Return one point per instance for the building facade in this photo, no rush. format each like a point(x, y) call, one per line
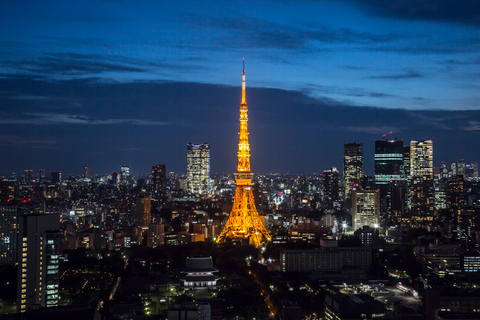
point(388, 163)
point(352, 166)
point(159, 181)
point(422, 189)
point(198, 168)
point(365, 208)
point(38, 255)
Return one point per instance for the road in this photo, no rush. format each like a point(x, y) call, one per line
point(265, 294)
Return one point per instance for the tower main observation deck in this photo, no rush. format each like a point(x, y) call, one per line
point(244, 221)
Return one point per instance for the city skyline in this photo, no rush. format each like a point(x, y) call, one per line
point(109, 83)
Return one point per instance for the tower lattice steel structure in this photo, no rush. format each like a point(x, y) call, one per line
point(244, 221)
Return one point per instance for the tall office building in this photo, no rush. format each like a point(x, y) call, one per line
point(352, 166)
point(458, 168)
point(365, 208)
point(421, 170)
point(331, 187)
point(198, 168)
point(144, 209)
point(124, 174)
point(10, 213)
point(159, 179)
point(388, 163)
point(38, 255)
point(471, 170)
point(398, 200)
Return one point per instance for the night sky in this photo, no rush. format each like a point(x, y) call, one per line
point(107, 83)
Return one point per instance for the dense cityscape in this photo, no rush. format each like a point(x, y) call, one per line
point(136, 183)
point(400, 244)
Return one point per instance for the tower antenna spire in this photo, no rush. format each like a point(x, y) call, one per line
point(243, 83)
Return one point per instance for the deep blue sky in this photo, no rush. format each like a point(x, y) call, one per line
point(132, 82)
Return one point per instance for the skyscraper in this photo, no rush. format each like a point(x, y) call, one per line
point(124, 175)
point(388, 163)
point(38, 247)
point(159, 179)
point(244, 221)
point(421, 170)
point(398, 200)
point(458, 168)
point(198, 168)
point(352, 166)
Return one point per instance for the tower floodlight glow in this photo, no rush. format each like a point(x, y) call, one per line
point(244, 221)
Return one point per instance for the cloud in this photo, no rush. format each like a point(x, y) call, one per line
point(473, 126)
point(251, 32)
point(399, 76)
point(75, 65)
point(314, 89)
point(52, 119)
point(377, 130)
point(460, 11)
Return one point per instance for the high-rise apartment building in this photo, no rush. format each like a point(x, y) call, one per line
point(365, 208)
point(388, 163)
point(159, 179)
point(198, 168)
point(352, 166)
point(455, 195)
point(331, 187)
point(10, 213)
point(143, 210)
point(421, 169)
point(38, 259)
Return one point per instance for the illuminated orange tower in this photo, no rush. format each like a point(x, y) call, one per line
point(244, 221)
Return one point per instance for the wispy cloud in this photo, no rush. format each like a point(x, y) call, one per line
point(52, 118)
point(399, 76)
point(373, 129)
point(473, 126)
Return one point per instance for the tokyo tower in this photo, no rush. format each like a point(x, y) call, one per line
point(244, 221)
